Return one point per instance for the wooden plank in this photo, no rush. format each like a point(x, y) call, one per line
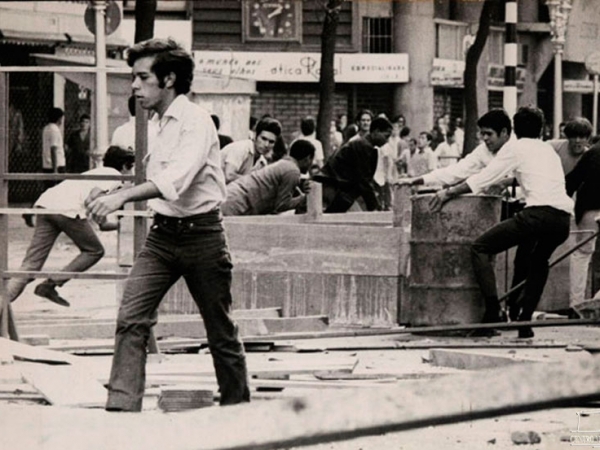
point(474, 360)
point(180, 326)
point(71, 386)
point(309, 420)
point(25, 352)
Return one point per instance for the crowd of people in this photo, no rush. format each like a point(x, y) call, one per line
point(194, 176)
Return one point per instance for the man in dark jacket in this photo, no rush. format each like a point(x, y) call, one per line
point(348, 173)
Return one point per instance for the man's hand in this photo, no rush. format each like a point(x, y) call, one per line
point(102, 206)
point(305, 185)
point(437, 201)
point(93, 195)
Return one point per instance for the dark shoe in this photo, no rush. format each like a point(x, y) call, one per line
point(526, 333)
point(484, 332)
point(48, 291)
point(28, 218)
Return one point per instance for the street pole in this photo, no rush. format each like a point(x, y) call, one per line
point(101, 83)
point(559, 18)
point(510, 59)
point(595, 103)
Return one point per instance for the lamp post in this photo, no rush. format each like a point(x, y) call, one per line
point(559, 18)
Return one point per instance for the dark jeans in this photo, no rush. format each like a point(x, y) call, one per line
point(537, 231)
point(47, 230)
point(195, 248)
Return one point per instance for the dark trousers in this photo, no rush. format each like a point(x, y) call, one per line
point(195, 248)
point(47, 229)
point(536, 231)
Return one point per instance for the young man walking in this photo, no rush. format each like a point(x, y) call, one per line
point(185, 187)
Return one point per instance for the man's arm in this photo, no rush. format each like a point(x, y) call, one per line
point(102, 206)
point(285, 199)
point(441, 197)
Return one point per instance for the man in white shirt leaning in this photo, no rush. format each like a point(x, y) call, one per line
point(544, 221)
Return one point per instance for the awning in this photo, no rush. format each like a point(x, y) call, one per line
point(51, 38)
point(29, 38)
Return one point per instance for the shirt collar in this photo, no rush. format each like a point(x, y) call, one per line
point(175, 109)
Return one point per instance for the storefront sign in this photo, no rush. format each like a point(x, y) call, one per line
point(578, 86)
point(304, 67)
point(448, 73)
point(496, 77)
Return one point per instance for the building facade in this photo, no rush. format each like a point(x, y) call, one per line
point(432, 35)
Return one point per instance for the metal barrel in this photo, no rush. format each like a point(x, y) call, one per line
point(442, 286)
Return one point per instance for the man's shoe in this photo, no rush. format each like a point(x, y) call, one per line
point(48, 291)
point(484, 332)
point(526, 333)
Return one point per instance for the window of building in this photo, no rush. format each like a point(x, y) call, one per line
point(452, 39)
point(495, 45)
point(377, 35)
point(168, 8)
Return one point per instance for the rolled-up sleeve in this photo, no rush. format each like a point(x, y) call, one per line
point(173, 174)
point(502, 165)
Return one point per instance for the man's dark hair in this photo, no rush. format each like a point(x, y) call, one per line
point(427, 134)
point(380, 124)
point(308, 125)
point(169, 57)
point(301, 148)
point(55, 114)
point(216, 121)
point(450, 132)
point(497, 119)
point(362, 112)
point(397, 118)
point(118, 157)
point(579, 127)
point(529, 122)
point(268, 124)
point(405, 131)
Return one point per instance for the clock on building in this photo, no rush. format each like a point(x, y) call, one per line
point(273, 19)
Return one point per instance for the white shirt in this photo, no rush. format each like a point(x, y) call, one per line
point(184, 161)
point(124, 135)
point(238, 158)
point(537, 168)
point(70, 195)
point(471, 164)
point(52, 137)
point(447, 154)
point(386, 167)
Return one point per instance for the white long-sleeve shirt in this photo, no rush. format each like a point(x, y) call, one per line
point(537, 168)
point(471, 164)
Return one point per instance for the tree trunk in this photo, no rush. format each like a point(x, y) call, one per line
point(326, 77)
point(145, 11)
point(488, 10)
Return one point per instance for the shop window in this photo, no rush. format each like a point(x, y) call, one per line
point(495, 45)
point(452, 40)
point(377, 35)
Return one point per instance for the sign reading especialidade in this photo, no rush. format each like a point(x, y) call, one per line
point(304, 67)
